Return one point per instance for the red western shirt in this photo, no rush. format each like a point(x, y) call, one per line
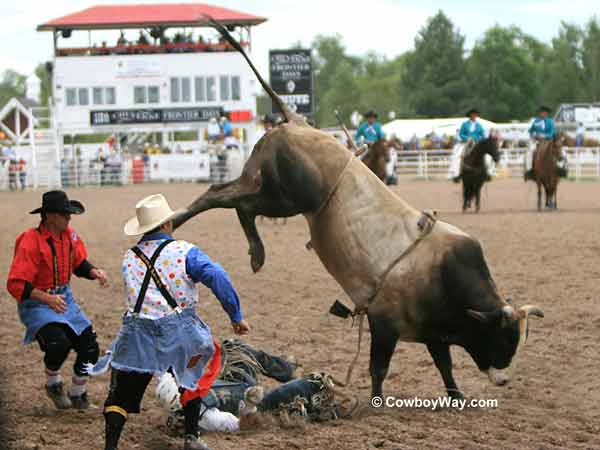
point(33, 261)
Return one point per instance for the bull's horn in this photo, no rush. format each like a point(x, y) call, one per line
point(533, 310)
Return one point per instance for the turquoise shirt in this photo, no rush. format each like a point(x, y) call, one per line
point(371, 133)
point(471, 130)
point(542, 127)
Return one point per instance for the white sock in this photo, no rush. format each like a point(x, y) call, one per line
point(78, 386)
point(52, 377)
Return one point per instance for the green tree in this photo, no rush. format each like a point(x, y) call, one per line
point(562, 69)
point(46, 88)
point(435, 70)
point(591, 60)
point(502, 75)
point(12, 85)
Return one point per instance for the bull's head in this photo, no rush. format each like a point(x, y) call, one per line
point(504, 333)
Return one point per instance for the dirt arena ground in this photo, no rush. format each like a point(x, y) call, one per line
point(550, 259)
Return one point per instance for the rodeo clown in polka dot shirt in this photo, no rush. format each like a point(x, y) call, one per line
point(161, 331)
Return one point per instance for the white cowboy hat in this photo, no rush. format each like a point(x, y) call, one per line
point(150, 212)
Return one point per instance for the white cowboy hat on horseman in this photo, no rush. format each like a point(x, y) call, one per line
point(150, 212)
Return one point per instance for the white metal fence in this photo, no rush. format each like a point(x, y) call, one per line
point(213, 164)
point(434, 164)
point(223, 166)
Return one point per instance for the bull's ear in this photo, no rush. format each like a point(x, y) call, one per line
point(487, 318)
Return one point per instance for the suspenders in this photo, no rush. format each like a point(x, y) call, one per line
point(55, 260)
point(151, 273)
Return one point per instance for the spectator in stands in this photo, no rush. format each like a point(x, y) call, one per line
point(113, 164)
point(229, 139)
point(213, 130)
point(580, 135)
point(121, 41)
point(13, 171)
point(142, 40)
point(23, 173)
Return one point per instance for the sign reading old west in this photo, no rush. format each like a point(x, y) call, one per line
point(291, 78)
point(171, 115)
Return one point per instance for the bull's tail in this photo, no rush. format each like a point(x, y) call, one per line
point(289, 115)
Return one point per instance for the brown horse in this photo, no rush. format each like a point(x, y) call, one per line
point(545, 171)
point(378, 155)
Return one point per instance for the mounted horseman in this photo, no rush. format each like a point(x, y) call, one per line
point(416, 279)
point(542, 131)
point(374, 151)
point(548, 162)
point(471, 132)
point(474, 155)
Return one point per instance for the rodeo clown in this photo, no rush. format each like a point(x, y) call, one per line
point(44, 260)
point(161, 330)
point(470, 133)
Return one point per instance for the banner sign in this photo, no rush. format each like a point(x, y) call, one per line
point(180, 167)
point(171, 115)
point(291, 78)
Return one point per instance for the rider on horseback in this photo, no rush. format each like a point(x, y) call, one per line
point(542, 129)
point(369, 132)
point(471, 132)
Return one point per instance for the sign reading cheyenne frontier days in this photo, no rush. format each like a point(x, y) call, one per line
point(291, 78)
point(129, 116)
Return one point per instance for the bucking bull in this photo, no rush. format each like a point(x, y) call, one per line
point(417, 279)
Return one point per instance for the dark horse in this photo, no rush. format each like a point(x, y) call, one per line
point(378, 155)
point(474, 173)
point(545, 170)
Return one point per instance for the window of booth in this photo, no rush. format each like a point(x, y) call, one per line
point(181, 89)
point(224, 86)
point(200, 89)
point(139, 94)
point(84, 96)
point(98, 96)
point(110, 96)
point(211, 89)
point(71, 96)
point(236, 88)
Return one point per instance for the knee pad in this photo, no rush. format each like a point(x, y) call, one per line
point(88, 351)
point(57, 349)
point(88, 347)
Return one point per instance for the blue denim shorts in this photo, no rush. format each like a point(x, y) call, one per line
point(154, 346)
point(35, 315)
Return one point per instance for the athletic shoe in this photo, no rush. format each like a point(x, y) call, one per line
point(56, 393)
point(80, 401)
point(194, 443)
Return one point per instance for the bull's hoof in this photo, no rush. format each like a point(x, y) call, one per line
point(257, 258)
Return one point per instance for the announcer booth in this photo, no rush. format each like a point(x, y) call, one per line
point(135, 71)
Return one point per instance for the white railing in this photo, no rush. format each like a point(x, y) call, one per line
point(584, 162)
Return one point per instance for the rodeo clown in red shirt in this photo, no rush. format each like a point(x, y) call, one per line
point(44, 259)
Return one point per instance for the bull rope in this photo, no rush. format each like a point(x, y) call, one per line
point(425, 224)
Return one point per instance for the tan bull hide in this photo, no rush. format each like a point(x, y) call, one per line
point(362, 231)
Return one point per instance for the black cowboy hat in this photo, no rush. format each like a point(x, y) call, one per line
point(370, 113)
point(544, 109)
point(58, 202)
point(472, 111)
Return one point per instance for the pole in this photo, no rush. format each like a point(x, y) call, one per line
point(346, 132)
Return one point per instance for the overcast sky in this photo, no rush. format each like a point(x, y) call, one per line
point(386, 26)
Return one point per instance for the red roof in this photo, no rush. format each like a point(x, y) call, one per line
point(134, 16)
